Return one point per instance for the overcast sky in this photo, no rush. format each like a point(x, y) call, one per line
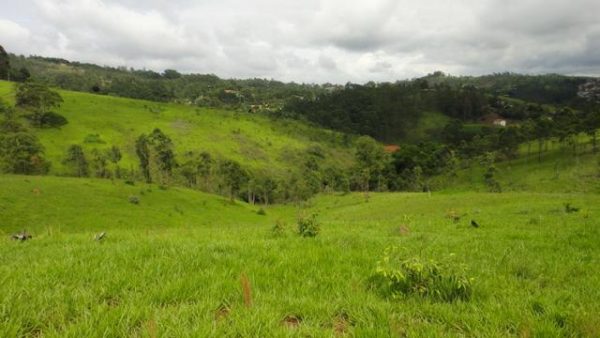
point(312, 40)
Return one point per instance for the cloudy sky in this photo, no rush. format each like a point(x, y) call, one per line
point(312, 40)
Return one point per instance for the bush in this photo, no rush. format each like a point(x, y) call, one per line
point(279, 229)
point(47, 120)
point(261, 212)
point(308, 226)
point(414, 276)
point(134, 199)
point(93, 138)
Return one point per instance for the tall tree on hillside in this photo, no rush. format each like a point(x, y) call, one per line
point(566, 123)
point(21, 153)
point(163, 155)
point(114, 155)
point(99, 163)
point(4, 65)
point(233, 177)
point(76, 160)
point(142, 149)
point(370, 160)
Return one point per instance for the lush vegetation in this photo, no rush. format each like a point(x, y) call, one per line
point(173, 264)
point(258, 208)
point(80, 134)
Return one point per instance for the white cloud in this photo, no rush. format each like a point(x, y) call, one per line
point(313, 41)
point(13, 36)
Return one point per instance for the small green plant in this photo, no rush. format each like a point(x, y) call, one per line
point(398, 278)
point(490, 173)
point(93, 138)
point(134, 199)
point(308, 226)
point(279, 229)
point(570, 209)
point(261, 212)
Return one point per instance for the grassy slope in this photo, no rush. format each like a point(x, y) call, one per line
point(255, 141)
point(170, 262)
point(559, 170)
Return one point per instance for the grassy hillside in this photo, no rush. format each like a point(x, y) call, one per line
point(558, 170)
point(253, 140)
point(172, 265)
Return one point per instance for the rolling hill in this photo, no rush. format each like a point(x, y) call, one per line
point(257, 142)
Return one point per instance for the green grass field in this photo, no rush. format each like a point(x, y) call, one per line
point(560, 170)
point(171, 265)
point(254, 140)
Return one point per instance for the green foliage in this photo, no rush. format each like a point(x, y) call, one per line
point(233, 177)
point(133, 199)
point(279, 229)
point(76, 161)
point(142, 149)
point(162, 153)
point(397, 278)
point(308, 226)
point(490, 172)
point(4, 64)
point(39, 99)
point(94, 138)
point(370, 163)
point(22, 153)
point(99, 164)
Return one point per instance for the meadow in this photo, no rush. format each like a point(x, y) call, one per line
point(256, 141)
point(185, 263)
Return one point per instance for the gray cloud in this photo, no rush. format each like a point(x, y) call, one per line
point(313, 41)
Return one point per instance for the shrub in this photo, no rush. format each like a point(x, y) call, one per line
point(279, 229)
point(134, 199)
point(261, 212)
point(93, 138)
point(398, 278)
point(308, 226)
point(48, 119)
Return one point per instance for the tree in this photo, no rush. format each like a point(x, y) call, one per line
point(21, 153)
point(490, 172)
point(20, 75)
point(509, 139)
point(162, 154)
point(99, 164)
point(591, 124)
point(171, 74)
point(142, 149)
point(370, 161)
point(38, 99)
point(76, 160)
point(205, 164)
point(4, 64)
point(114, 156)
point(267, 188)
point(233, 177)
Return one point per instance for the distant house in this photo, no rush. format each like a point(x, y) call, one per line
point(391, 148)
point(493, 119)
point(500, 122)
